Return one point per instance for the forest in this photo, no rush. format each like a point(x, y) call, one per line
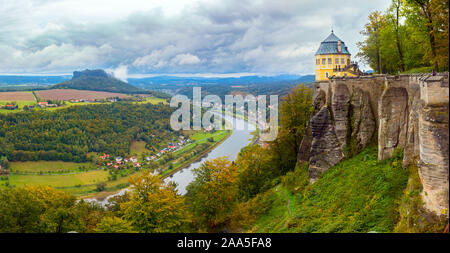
point(69, 134)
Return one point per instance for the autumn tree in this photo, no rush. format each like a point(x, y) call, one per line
point(213, 193)
point(255, 173)
point(370, 47)
point(430, 19)
point(112, 224)
point(155, 207)
point(410, 35)
point(37, 209)
point(295, 112)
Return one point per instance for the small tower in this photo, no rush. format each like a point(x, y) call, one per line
point(334, 59)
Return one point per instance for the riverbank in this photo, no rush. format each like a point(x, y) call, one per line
point(119, 187)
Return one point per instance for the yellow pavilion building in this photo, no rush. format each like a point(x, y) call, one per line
point(334, 59)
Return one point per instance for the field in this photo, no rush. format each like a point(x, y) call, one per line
point(16, 96)
point(137, 147)
point(153, 100)
point(60, 181)
point(67, 94)
point(46, 166)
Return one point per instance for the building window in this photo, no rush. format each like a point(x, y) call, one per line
point(342, 61)
point(323, 61)
point(326, 74)
point(329, 61)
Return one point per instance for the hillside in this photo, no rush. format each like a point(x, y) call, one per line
point(262, 85)
point(360, 194)
point(97, 80)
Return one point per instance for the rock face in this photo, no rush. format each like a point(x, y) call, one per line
point(406, 111)
point(362, 119)
point(393, 121)
point(433, 163)
point(326, 150)
point(340, 101)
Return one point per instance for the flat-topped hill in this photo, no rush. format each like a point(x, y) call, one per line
point(97, 80)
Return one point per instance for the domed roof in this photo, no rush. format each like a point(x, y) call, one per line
point(330, 46)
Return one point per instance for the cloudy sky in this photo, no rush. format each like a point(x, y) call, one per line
point(203, 37)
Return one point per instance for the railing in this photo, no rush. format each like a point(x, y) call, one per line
point(352, 68)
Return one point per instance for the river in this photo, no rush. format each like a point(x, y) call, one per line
point(239, 138)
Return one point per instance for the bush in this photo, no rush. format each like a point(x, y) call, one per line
point(101, 186)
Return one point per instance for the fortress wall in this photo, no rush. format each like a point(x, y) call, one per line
point(407, 111)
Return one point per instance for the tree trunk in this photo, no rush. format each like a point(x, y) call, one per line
point(399, 48)
point(426, 9)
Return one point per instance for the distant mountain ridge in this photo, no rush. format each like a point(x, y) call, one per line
point(172, 81)
point(97, 80)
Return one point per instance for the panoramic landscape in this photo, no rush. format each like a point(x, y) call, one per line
point(224, 117)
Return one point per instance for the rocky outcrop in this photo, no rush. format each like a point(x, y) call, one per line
point(406, 111)
point(433, 163)
point(340, 102)
point(393, 109)
point(326, 149)
point(362, 120)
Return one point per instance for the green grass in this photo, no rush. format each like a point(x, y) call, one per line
point(419, 70)
point(21, 104)
point(46, 166)
point(137, 148)
point(60, 181)
point(153, 100)
point(360, 194)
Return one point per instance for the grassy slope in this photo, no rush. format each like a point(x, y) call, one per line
point(357, 195)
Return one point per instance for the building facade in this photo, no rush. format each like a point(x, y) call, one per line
point(334, 59)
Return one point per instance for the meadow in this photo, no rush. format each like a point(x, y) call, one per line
point(47, 167)
point(61, 181)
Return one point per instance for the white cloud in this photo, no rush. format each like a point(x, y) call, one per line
point(121, 72)
point(174, 36)
point(185, 59)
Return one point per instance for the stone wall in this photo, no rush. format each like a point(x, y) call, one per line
point(406, 111)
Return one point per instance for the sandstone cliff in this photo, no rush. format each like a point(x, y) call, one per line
point(406, 111)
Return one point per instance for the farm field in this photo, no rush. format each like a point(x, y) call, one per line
point(21, 98)
point(67, 94)
point(137, 147)
point(60, 181)
point(46, 166)
point(153, 100)
point(17, 96)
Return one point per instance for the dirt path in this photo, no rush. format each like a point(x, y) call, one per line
point(288, 201)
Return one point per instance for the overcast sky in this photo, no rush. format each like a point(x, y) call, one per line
point(174, 36)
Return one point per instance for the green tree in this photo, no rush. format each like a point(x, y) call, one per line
point(213, 193)
point(155, 207)
point(255, 172)
point(370, 47)
point(112, 224)
point(295, 112)
point(37, 209)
